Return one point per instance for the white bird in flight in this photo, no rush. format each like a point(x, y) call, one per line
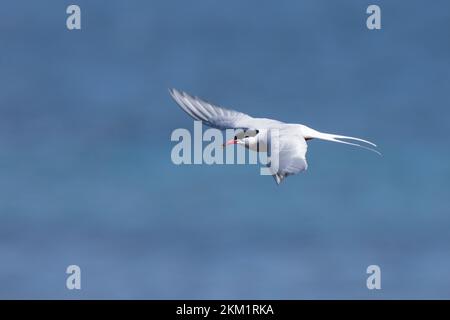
point(291, 147)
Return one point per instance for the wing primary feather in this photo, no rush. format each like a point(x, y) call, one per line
point(210, 114)
point(176, 96)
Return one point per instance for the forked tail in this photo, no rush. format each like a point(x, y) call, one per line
point(309, 133)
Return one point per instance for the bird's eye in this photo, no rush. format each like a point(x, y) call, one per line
point(235, 137)
point(257, 131)
point(246, 137)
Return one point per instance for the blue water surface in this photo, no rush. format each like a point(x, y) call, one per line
point(86, 176)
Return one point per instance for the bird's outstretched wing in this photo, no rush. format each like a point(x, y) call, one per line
point(210, 114)
point(287, 154)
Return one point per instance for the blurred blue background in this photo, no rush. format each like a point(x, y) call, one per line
point(86, 176)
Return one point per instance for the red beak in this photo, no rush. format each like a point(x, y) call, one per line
point(232, 141)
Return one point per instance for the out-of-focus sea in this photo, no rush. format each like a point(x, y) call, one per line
point(86, 176)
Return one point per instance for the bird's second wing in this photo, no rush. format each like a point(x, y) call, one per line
point(288, 156)
point(210, 114)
